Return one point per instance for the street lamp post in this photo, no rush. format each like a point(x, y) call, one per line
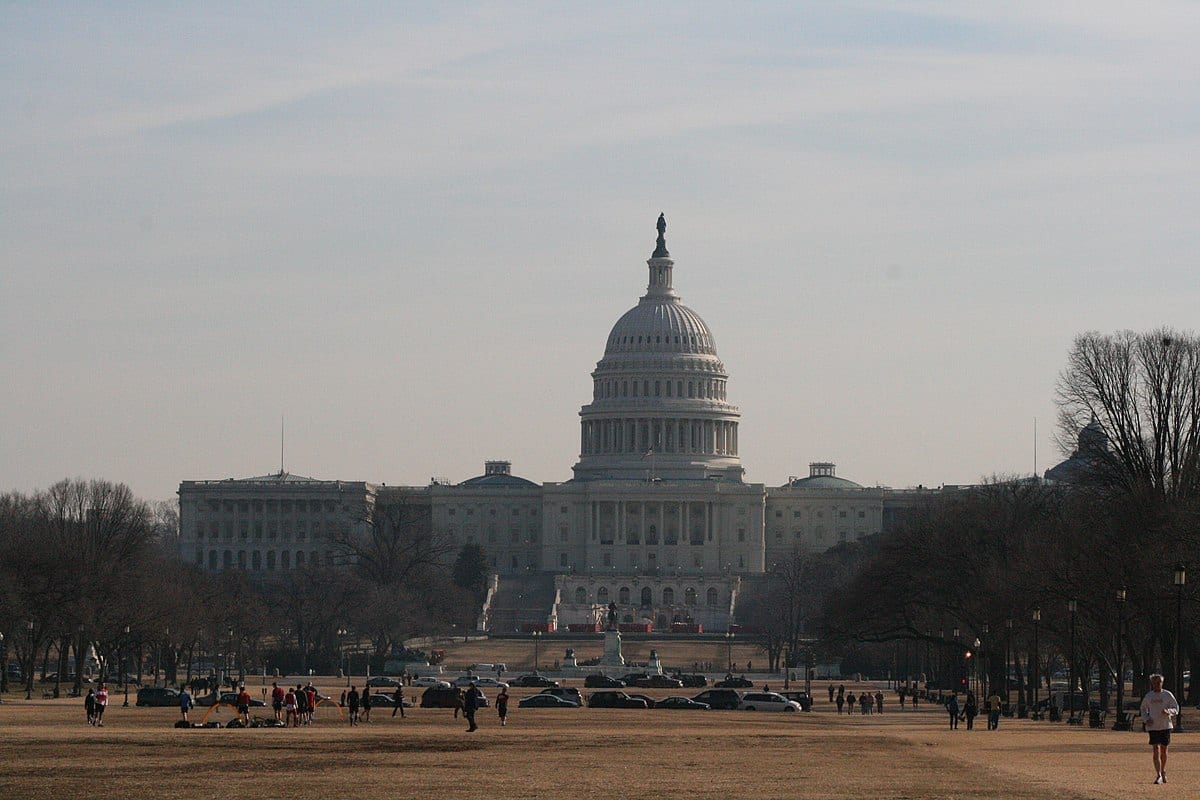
point(729, 652)
point(342, 655)
point(1033, 669)
point(1180, 580)
point(960, 666)
point(3, 667)
point(124, 666)
point(1072, 607)
point(787, 661)
point(1119, 723)
point(1008, 626)
point(29, 673)
point(537, 638)
point(977, 659)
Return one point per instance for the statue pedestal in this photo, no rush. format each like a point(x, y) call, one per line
point(612, 650)
point(655, 665)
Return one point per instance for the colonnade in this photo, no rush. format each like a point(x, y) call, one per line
point(640, 435)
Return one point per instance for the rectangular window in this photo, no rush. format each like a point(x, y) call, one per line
point(562, 509)
point(608, 559)
point(862, 514)
point(795, 515)
point(741, 534)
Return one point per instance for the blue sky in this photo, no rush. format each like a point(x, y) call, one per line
point(409, 228)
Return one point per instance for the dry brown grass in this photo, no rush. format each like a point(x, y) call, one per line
point(46, 751)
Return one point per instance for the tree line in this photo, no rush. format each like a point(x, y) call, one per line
point(85, 566)
point(1058, 575)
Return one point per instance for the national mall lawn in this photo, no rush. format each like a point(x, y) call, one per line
point(47, 750)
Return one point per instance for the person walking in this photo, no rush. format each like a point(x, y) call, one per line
point(864, 703)
point(970, 709)
point(831, 692)
point(841, 699)
point(994, 705)
point(185, 704)
point(502, 705)
point(878, 702)
point(366, 703)
point(952, 707)
point(398, 701)
point(310, 700)
point(102, 703)
point(851, 702)
point(1159, 709)
point(470, 706)
point(352, 703)
point(89, 705)
point(458, 701)
point(301, 705)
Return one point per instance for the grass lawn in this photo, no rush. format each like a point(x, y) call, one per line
point(48, 751)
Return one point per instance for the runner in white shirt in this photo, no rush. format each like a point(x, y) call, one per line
point(1159, 709)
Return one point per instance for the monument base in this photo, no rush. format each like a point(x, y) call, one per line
point(612, 650)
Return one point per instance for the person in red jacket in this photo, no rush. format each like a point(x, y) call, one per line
point(101, 704)
point(243, 704)
point(277, 695)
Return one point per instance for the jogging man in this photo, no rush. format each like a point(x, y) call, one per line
point(1159, 709)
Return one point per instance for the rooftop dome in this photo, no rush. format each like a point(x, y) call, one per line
point(497, 473)
point(821, 475)
point(660, 324)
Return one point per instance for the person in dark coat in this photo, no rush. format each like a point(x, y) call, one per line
point(470, 706)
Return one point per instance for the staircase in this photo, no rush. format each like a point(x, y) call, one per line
point(521, 600)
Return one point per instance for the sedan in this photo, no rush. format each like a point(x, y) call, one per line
point(383, 680)
point(568, 693)
point(767, 701)
point(430, 681)
point(647, 699)
point(602, 682)
point(533, 680)
point(228, 698)
point(546, 701)
point(681, 704)
point(658, 682)
point(467, 680)
point(614, 700)
point(734, 683)
point(157, 696)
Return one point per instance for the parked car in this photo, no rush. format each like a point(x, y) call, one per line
point(447, 697)
point(546, 701)
point(383, 680)
point(803, 698)
point(649, 700)
point(602, 682)
point(532, 680)
point(681, 704)
point(633, 677)
point(382, 700)
point(613, 699)
point(157, 696)
point(719, 698)
point(429, 680)
point(229, 698)
point(767, 701)
point(734, 683)
point(568, 693)
point(466, 680)
point(693, 681)
point(658, 682)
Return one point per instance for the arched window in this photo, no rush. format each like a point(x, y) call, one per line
point(285, 559)
point(256, 560)
point(212, 559)
point(668, 596)
point(580, 596)
point(647, 597)
point(228, 559)
point(689, 596)
point(602, 595)
point(623, 596)
point(270, 559)
point(652, 535)
point(711, 597)
point(299, 558)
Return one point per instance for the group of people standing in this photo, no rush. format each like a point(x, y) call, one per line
point(866, 702)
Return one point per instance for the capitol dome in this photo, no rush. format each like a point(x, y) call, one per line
point(658, 409)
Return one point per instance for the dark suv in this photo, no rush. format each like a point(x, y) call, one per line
point(566, 693)
point(720, 698)
point(614, 700)
point(536, 681)
point(443, 697)
point(693, 681)
point(658, 682)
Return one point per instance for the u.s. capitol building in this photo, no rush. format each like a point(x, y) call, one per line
point(657, 517)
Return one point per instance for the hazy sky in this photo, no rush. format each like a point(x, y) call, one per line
point(410, 227)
